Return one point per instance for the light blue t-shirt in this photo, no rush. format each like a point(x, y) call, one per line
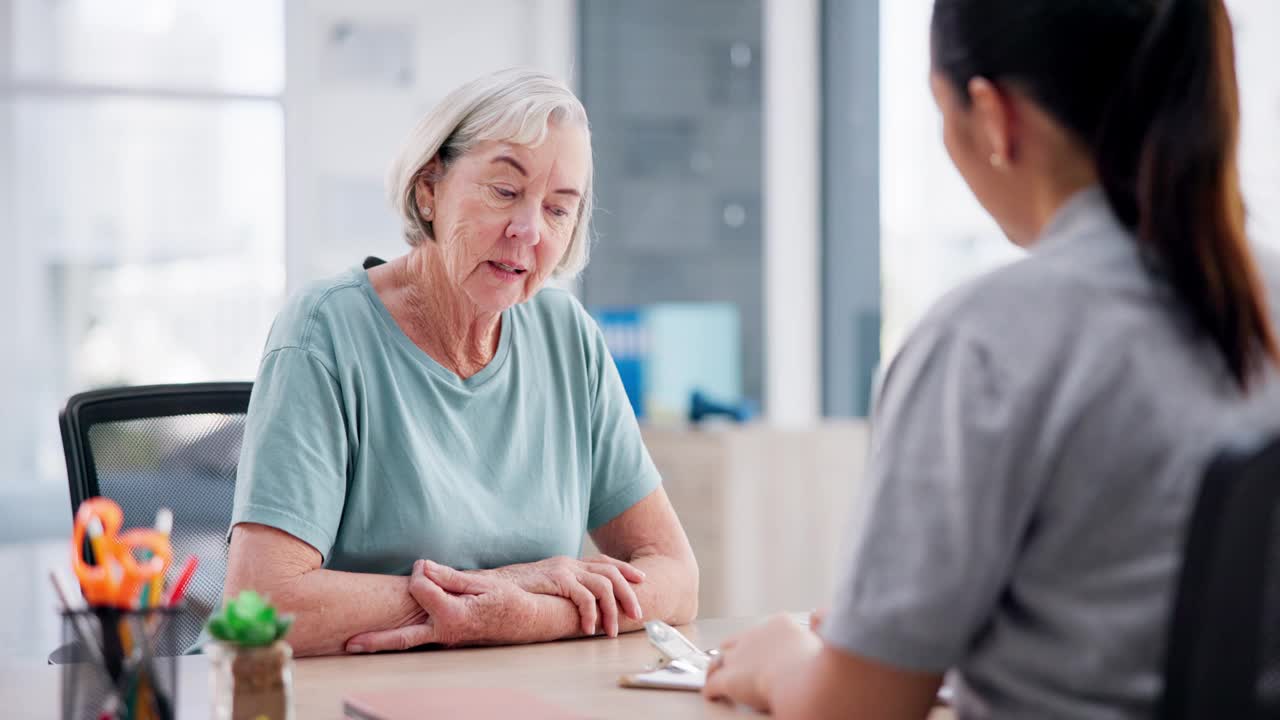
point(363, 446)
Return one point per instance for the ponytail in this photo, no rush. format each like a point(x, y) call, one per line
point(1166, 155)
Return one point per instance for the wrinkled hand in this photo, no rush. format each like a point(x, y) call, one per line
point(461, 609)
point(748, 664)
point(596, 583)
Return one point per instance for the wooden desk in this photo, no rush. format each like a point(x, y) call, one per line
point(578, 674)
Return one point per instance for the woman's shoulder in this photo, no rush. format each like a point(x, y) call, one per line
point(558, 310)
point(985, 305)
point(1019, 318)
point(554, 317)
point(309, 313)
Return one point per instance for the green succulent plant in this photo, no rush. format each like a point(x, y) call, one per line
point(249, 621)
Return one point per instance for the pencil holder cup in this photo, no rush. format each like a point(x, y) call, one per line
point(120, 664)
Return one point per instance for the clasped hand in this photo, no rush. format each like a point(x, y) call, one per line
point(490, 607)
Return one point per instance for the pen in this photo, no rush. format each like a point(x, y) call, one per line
point(180, 586)
point(151, 592)
point(99, 544)
point(151, 700)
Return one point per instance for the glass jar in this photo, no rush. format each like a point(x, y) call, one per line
point(251, 683)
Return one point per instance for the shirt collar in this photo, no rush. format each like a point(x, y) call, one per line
point(1086, 236)
point(1085, 218)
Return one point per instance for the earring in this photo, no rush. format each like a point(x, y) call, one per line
point(426, 213)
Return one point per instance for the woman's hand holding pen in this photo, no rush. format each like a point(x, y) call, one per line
point(749, 663)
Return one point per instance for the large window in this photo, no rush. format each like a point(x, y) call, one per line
point(935, 234)
point(142, 168)
point(1257, 22)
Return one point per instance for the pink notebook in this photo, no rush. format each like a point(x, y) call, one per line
point(476, 703)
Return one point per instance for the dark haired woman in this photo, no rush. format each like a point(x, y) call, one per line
point(1039, 438)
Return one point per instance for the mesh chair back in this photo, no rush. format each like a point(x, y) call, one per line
point(1269, 659)
point(173, 446)
point(1224, 640)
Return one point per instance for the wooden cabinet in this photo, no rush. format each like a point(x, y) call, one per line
point(767, 510)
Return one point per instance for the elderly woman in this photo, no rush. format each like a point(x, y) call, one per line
point(429, 440)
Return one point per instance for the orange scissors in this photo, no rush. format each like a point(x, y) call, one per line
point(117, 576)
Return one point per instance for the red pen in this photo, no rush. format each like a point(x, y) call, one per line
point(180, 586)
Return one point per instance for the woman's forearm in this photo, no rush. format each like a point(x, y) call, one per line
point(328, 606)
point(331, 606)
point(669, 593)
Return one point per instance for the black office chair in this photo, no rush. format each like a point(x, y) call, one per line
point(1224, 642)
point(173, 446)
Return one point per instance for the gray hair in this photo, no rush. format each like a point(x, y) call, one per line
point(513, 105)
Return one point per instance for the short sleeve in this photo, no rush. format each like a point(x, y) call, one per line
point(945, 509)
point(622, 473)
point(293, 463)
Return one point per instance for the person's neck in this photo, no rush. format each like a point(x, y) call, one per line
point(1067, 176)
point(440, 318)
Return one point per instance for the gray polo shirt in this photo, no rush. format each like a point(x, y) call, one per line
point(1036, 451)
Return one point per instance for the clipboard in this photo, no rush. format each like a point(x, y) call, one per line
point(665, 678)
point(683, 665)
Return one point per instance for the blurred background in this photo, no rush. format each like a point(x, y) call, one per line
point(776, 209)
